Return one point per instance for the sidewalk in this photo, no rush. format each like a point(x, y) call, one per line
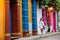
point(38, 36)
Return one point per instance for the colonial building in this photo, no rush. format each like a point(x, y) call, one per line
point(20, 18)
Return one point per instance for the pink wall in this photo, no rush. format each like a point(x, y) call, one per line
point(52, 20)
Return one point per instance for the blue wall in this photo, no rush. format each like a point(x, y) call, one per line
point(10, 20)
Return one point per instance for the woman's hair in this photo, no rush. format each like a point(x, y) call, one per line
point(41, 19)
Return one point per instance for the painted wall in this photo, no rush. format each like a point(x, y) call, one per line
point(2, 21)
point(30, 16)
point(39, 15)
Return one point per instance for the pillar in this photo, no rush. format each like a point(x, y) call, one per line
point(34, 17)
point(7, 20)
point(44, 15)
point(54, 21)
point(15, 7)
point(25, 18)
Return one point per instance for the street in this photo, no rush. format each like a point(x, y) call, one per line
point(49, 36)
point(56, 37)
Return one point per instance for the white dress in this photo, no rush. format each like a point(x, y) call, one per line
point(41, 24)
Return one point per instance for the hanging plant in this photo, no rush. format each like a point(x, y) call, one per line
point(44, 2)
point(58, 4)
point(54, 3)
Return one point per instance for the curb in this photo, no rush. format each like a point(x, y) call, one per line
point(52, 34)
point(39, 36)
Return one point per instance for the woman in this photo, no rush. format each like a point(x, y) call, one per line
point(41, 25)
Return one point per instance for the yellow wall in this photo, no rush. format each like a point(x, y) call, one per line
point(2, 19)
point(21, 19)
point(30, 10)
point(30, 16)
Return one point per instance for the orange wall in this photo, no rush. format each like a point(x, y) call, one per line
point(2, 19)
point(30, 10)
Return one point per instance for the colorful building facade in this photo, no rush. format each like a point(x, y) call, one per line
point(19, 18)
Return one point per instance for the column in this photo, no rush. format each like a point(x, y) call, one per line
point(54, 21)
point(15, 7)
point(44, 15)
point(34, 17)
point(25, 18)
point(7, 20)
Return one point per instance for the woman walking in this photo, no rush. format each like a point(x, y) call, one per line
point(41, 25)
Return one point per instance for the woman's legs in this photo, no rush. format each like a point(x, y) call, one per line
point(41, 30)
point(41, 33)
